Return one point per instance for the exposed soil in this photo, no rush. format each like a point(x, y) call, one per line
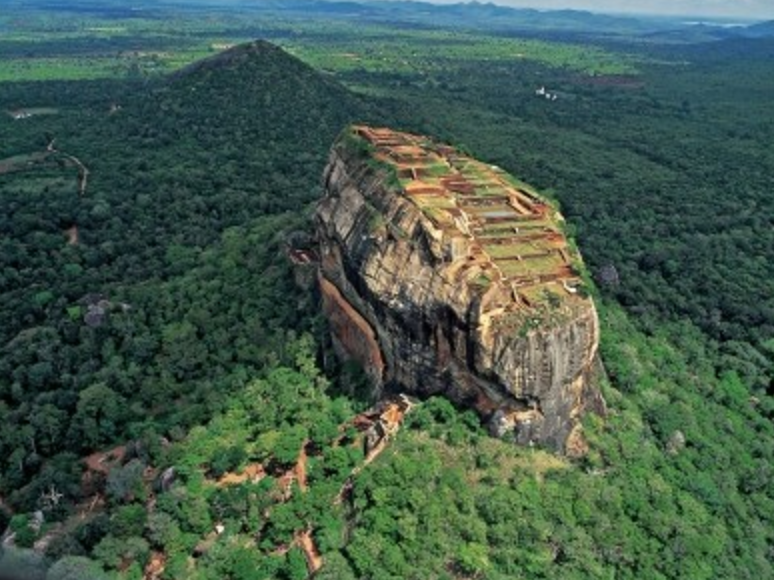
point(72, 235)
point(305, 541)
point(300, 468)
point(155, 567)
point(253, 472)
point(388, 416)
point(105, 461)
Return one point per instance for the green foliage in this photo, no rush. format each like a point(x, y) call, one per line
point(22, 564)
point(75, 568)
point(473, 559)
point(128, 520)
point(227, 459)
point(206, 341)
point(392, 51)
point(296, 566)
point(199, 293)
point(114, 553)
point(98, 416)
point(125, 483)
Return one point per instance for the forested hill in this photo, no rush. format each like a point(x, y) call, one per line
point(233, 136)
point(175, 288)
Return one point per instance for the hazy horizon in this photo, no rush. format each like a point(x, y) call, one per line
point(734, 9)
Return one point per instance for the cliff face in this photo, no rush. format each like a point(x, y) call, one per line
point(443, 275)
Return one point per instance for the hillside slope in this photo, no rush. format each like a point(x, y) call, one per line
point(157, 300)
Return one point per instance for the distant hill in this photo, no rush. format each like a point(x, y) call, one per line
point(251, 100)
point(703, 32)
point(762, 30)
point(489, 16)
point(495, 17)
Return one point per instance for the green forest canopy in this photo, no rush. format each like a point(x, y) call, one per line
point(197, 182)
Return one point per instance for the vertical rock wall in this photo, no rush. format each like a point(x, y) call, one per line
point(402, 297)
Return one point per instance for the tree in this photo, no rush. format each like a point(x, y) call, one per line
point(49, 423)
point(113, 552)
point(21, 564)
point(182, 350)
point(129, 520)
point(126, 482)
point(76, 568)
point(296, 568)
point(335, 567)
point(287, 448)
point(227, 459)
point(98, 417)
point(473, 559)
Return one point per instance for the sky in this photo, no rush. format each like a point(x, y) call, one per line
point(741, 9)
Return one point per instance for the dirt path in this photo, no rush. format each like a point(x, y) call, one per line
point(83, 172)
point(31, 160)
point(387, 418)
point(21, 162)
point(389, 421)
point(375, 452)
point(104, 461)
point(300, 468)
point(305, 541)
point(253, 472)
point(155, 567)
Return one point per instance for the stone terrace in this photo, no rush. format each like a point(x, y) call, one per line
point(498, 235)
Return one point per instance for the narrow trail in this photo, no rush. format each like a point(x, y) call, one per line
point(300, 468)
point(305, 541)
point(83, 181)
point(385, 426)
point(253, 473)
point(28, 161)
point(378, 427)
point(83, 171)
point(155, 567)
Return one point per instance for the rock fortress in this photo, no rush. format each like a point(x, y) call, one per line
point(443, 275)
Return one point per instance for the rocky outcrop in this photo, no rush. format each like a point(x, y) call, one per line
point(445, 276)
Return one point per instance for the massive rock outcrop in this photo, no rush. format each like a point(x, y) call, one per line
point(444, 275)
